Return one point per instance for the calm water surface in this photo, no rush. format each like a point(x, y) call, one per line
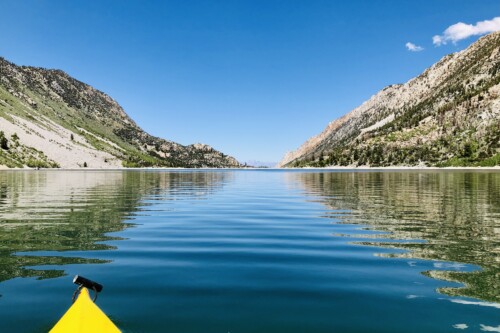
point(254, 251)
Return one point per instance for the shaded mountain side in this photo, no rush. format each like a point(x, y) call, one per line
point(447, 116)
point(49, 119)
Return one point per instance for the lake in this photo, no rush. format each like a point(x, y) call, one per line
point(254, 250)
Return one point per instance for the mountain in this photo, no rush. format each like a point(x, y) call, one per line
point(49, 119)
point(447, 116)
point(260, 164)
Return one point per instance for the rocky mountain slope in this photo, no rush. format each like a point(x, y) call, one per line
point(447, 116)
point(49, 119)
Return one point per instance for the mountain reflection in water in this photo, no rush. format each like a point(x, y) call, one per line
point(436, 215)
point(75, 211)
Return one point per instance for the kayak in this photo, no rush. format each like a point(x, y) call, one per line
point(84, 316)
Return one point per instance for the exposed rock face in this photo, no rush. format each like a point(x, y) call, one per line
point(50, 119)
point(449, 115)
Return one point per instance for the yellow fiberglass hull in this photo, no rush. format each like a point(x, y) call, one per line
point(84, 317)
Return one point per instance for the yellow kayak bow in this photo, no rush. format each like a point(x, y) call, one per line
point(84, 316)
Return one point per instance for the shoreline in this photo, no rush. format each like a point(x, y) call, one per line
point(330, 168)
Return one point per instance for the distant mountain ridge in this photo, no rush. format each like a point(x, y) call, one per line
point(260, 164)
point(49, 119)
point(447, 116)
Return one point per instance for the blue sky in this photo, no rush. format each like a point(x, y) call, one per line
point(253, 79)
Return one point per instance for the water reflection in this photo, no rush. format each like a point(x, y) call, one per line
point(75, 211)
point(442, 215)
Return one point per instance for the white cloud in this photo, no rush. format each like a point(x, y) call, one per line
point(438, 40)
point(414, 48)
point(459, 31)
